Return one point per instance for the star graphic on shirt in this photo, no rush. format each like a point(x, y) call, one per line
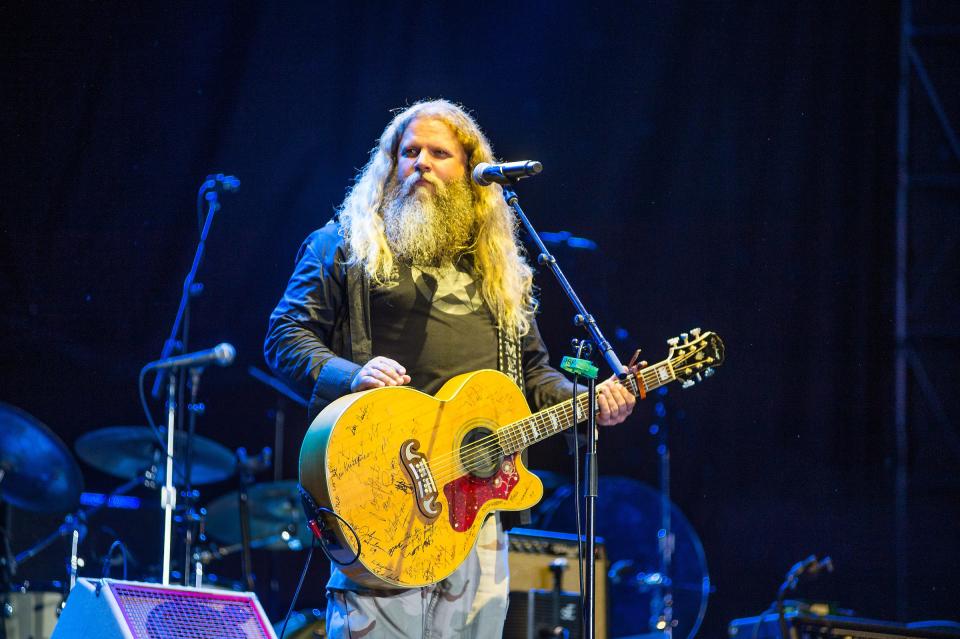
point(451, 291)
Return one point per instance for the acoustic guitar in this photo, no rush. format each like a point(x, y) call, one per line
point(404, 479)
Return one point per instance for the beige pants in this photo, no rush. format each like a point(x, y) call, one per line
point(469, 604)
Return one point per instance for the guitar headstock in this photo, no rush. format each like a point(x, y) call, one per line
point(695, 355)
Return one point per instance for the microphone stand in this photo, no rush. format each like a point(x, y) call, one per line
point(190, 517)
point(176, 387)
point(585, 320)
point(168, 494)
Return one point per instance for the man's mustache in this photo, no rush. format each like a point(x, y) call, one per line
point(413, 178)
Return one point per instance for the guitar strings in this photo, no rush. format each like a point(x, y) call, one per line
point(477, 450)
point(487, 445)
point(515, 437)
point(480, 449)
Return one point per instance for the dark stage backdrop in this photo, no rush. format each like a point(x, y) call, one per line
point(733, 162)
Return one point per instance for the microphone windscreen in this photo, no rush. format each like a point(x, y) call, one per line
point(225, 354)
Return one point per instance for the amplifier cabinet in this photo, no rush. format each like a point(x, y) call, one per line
point(531, 553)
point(29, 614)
point(531, 615)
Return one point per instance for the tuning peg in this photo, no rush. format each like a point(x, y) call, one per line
point(685, 337)
point(699, 377)
point(709, 372)
point(695, 332)
point(673, 341)
point(687, 383)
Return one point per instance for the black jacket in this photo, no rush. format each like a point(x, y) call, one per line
point(319, 334)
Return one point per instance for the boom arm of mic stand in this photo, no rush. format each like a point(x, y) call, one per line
point(168, 345)
point(583, 318)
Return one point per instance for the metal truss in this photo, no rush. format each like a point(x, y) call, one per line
point(927, 311)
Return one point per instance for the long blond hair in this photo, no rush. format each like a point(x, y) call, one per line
point(506, 280)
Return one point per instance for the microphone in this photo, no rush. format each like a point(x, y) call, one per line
point(221, 354)
point(486, 174)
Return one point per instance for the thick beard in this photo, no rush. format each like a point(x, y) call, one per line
point(429, 228)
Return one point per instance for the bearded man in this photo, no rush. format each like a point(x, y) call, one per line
point(420, 278)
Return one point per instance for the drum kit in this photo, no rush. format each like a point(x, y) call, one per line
point(39, 474)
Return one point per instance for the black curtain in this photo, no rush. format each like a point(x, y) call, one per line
point(733, 162)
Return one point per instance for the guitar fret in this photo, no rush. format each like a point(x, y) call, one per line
point(550, 421)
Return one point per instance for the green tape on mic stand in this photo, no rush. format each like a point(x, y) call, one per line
point(581, 367)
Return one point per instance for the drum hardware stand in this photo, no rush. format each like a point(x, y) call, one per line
point(191, 519)
point(586, 321)
point(195, 520)
point(279, 421)
point(74, 526)
point(662, 603)
point(247, 467)
point(279, 414)
point(8, 565)
point(214, 552)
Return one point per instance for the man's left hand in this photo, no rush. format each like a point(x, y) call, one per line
point(614, 401)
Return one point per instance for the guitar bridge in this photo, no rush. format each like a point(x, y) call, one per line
point(424, 488)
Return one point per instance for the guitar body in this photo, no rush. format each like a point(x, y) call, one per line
point(411, 477)
point(404, 480)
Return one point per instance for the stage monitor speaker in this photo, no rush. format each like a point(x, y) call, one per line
point(531, 553)
point(111, 609)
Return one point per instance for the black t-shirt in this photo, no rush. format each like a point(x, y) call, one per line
point(435, 322)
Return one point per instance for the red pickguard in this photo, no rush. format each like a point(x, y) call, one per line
point(467, 494)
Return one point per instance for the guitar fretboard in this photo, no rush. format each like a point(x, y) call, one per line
point(550, 421)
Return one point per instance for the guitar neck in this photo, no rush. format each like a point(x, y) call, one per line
point(550, 421)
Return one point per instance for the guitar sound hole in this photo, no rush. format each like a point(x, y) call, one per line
point(480, 454)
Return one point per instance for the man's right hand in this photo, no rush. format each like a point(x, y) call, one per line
point(379, 372)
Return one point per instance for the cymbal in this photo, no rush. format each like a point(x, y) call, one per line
point(38, 471)
point(274, 510)
point(126, 451)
